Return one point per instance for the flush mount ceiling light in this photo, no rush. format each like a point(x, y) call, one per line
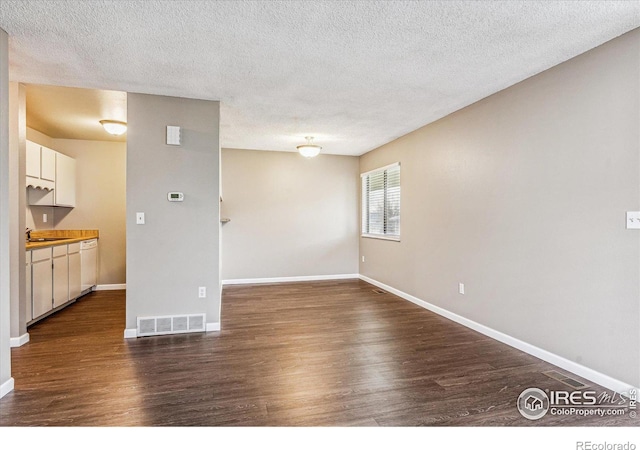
point(309, 150)
point(114, 127)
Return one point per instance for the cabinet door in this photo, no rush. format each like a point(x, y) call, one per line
point(33, 159)
point(74, 271)
point(60, 276)
point(65, 191)
point(28, 297)
point(48, 164)
point(42, 281)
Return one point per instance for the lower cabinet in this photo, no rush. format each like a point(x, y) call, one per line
point(42, 281)
point(60, 276)
point(74, 271)
point(53, 279)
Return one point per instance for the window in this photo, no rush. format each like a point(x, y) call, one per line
point(381, 203)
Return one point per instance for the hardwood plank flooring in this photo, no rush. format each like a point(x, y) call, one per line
point(330, 353)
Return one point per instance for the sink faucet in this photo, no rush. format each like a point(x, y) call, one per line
point(29, 230)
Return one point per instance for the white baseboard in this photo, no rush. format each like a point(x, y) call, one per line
point(6, 387)
point(212, 326)
point(19, 341)
point(559, 361)
point(130, 333)
point(344, 276)
point(110, 287)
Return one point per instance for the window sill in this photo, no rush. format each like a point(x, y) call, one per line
point(382, 237)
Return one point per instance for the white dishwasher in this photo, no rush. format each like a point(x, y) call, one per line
point(89, 264)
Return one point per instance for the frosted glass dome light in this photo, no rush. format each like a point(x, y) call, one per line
point(114, 127)
point(309, 150)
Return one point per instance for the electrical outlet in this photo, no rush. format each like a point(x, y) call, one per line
point(461, 288)
point(44, 218)
point(202, 292)
point(363, 259)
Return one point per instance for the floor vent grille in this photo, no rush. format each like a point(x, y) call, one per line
point(562, 378)
point(159, 325)
point(379, 291)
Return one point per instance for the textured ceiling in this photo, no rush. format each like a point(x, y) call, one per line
point(354, 74)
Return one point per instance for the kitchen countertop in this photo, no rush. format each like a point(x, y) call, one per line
point(65, 237)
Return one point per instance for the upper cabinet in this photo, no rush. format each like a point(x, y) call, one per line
point(52, 174)
point(41, 166)
point(33, 161)
point(48, 164)
point(65, 191)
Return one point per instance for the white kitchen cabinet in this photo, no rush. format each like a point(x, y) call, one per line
point(74, 271)
point(55, 182)
point(33, 160)
point(40, 168)
point(48, 164)
point(42, 281)
point(65, 191)
point(28, 286)
point(53, 279)
point(60, 275)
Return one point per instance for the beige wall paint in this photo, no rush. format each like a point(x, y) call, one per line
point(100, 201)
point(522, 197)
point(290, 216)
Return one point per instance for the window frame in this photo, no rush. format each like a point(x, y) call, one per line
point(364, 207)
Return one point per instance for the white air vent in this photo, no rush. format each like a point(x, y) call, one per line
point(180, 323)
point(157, 325)
point(164, 324)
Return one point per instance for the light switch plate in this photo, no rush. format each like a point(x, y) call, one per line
point(633, 220)
point(173, 135)
point(140, 218)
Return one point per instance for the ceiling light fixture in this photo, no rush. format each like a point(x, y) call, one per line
point(114, 127)
point(309, 150)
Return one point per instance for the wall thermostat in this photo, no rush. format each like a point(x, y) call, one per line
point(175, 196)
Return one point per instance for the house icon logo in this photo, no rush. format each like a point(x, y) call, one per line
point(533, 403)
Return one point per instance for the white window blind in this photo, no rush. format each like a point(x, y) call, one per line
point(381, 202)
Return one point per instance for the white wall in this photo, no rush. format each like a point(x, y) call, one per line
point(17, 169)
point(6, 382)
point(290, 216)
point(522, 197)
point(177, 250)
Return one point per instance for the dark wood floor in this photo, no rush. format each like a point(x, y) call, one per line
point(298, 354)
